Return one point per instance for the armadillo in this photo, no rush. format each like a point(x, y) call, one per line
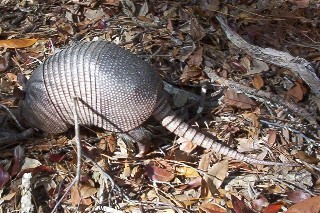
point(117, 90)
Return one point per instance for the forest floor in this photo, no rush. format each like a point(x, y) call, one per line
point(222, 66)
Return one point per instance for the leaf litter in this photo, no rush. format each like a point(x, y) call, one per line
point(183, 41)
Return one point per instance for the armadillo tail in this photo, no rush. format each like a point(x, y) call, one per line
point(167, 117)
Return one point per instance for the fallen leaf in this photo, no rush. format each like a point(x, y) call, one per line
point(212, 208)
point(216, 175)
point(307, 158)
point(18, 160)
point(257, 82)
point(205, 161)
point(30, 163)
point(242, 101)
point(4, 176)
point(245, 62)
point(213, 5)
point(196, 58)
point(297, 196)
point(12, 77)
point(239, 206)
point(17, 43)
point(272, 137)
point(187, 172)
point(93, 14)
point(311, 205)
point(194, 183)
point(56, 157)
point(8, 196)
point(273, 208)
point(113, 2)
point(297, 91)
point(186, 146)
point(87, 191)
point(196, 31)
point(126, 170)
point(75, 197)
point(191, 73)
point(157, 173)
point(260, 202)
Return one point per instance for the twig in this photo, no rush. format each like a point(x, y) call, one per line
point(77, 138)
point(79, 151)
point(291, 129)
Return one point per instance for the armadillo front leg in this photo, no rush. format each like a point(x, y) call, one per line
point(173, 123)
point(141, 137)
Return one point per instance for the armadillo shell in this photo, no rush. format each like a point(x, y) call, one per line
point(117, 90)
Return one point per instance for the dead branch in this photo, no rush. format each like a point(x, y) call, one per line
point(266, 95)
point(298, 66)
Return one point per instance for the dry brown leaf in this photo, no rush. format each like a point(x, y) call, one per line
point(17, 43)
point(253, 118)
point(311, 205)
point(187, 172)
point(273, 208)
point(297, 196)
point(187, 146)
point(87, 191)
point(191, 73)
point(76, 199)
point(12, 77)
point(160, 172)
point(113, 2)
point(257, 82)
point(306, 158)
point(196, 31)
point(196, 58)
point(212, 208)
point(186, 199)
point(8, 196)
point(272, 137)
point(260, 202)
point(297, 91)
point(216, 175)
point(239, 206)
point(242, 101)
point(246, 63)
point(170, 28)
point(205, 161)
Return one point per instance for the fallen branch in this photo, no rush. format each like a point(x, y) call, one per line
point(298, 66)
point(263, 94)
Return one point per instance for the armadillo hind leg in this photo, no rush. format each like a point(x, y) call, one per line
point(167, 117)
